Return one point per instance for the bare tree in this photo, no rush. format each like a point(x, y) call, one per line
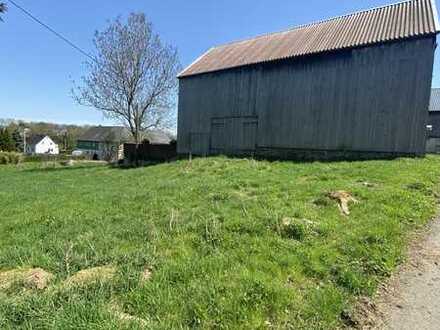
point(133, 78)
point(3, 9)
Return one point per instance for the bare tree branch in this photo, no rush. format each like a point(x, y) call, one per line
point(133, 79)
point(3, 9)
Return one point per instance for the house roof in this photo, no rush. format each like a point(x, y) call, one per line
point(35, 139)
point(434, 104)
point(122, 134)
point(414, 18)
point(105, 134)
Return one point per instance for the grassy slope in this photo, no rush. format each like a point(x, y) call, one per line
point(224, 260)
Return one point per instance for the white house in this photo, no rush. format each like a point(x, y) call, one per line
point(41, 144)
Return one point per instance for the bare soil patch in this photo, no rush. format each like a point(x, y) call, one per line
point(31, 278)
point(90, 275)
point(343, 198)
point(116, 310)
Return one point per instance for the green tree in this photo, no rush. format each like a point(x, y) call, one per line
point(6, 141)
point(18, 140)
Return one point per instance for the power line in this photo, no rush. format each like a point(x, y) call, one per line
point(47, 27)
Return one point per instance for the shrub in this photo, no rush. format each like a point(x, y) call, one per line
point(15, 158)
point(4, 158)
point(10, 158)
point(52, 158)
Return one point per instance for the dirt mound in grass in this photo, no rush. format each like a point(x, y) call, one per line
point(32, 278)
point(146, 275)
point(90, 275)
point(116, 310)
point(343, 198)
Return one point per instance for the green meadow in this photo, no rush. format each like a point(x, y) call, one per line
point(229, 244)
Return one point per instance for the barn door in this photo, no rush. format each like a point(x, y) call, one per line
point(234, 135)
point(218, 136)
point(246, 134)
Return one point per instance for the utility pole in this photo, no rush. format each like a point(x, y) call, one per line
point(64, 133)
point(24, 139)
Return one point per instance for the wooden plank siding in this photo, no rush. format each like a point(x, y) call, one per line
point(372, 99)
point(434, 121)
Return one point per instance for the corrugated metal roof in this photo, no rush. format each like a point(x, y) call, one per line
point(434, 104)
point(122, 134)
point(402, 20)
point(105, 134)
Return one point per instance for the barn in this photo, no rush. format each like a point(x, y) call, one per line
point(352, 86)
point(433, 141)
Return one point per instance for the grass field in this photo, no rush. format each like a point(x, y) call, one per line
point(230, 243)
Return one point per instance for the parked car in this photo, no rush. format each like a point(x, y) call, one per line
point(77, 153)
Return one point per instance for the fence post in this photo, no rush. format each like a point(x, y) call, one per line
point(190, 147)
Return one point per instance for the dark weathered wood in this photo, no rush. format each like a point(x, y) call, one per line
point(372, 99)
point(149, 152)
point(233, 135)
point(434, 121)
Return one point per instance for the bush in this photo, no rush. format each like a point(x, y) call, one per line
point(10, 158)
point(52, 158)
point(15, 158)
point(4, 158)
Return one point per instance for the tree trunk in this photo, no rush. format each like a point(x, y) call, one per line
point(137, 142)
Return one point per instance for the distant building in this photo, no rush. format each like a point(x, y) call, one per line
point(106, 142)
point(433, 141)
point(103, 142)
point(41, 145)
point(355, 86)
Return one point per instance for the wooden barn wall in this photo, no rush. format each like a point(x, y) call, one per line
point(369, 99)
point(434, 121)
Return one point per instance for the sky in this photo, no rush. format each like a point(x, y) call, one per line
point(38, 68)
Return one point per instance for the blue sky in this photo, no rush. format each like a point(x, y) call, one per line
point(37, 68)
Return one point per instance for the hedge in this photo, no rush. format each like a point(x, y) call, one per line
point(51, 158)
point(10, 158)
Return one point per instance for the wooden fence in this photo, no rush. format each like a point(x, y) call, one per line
point(149, 152)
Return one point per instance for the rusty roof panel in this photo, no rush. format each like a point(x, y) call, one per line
point(389, 23)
